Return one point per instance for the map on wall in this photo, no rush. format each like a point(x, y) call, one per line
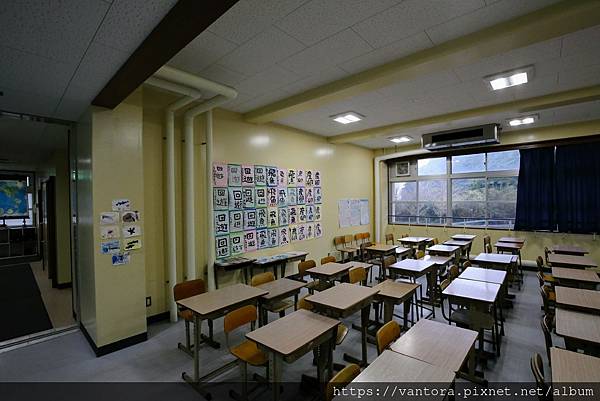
point(13, 198)
point(258, 207)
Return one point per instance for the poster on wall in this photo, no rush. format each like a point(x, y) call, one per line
point(365, 214)
point(301, 232)
point(308, 178)
point(318, 230)
point(236, 242)
point(318, 195)
point(132, 231)
point(250, 219)
point(292, 214)
point(120, 205)
point(301, 196)
point(355, 212)
point(247, 176)
point(248, 197)
point(110, 232)
point(260, 176)
point(130, 217)
point(317, 212)
point(273, 217)
point(310, 197)
point(132, 244)
point(272, 176)
point(310, 230)
point(262, 239)
point(221, 222)
point(283, 216)
point(121, 259)
point(234, 175)
point(222, 246)
point(282, 196)
point(260, 198)
point(284, 236)
point(236, 198)
point(302, 214)
point(292, 196)
point(271, 196)
point(317, 178)
point(250, 244)
point(291, 177)
point(220, 175)
point(220, 198)
point(262, 216)
point(299, 177)
point(310, 213)
point(109, 218)
point(344, 213)
point(236, 221)
point(110, 247)
point(281, 177)
point(293, 233)
point(273, 235)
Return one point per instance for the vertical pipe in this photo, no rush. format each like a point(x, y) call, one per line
point(377, 200)
point(171, 222)
point(190, 210)
point(210, 246)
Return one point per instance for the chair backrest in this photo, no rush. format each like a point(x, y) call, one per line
point(367, 236)
point(358, 237)
point(239, 317)
point(305, 265)
point(540, 278)
point(445, 283)
point(546, 253)
point(262, 278)
point(453, 272)
point(540, 264)
point(389, 238)
point(404, 236)
point(348, 239)
point(388, 333)
point(436, 241)
point(304, 304)
point(467, 264)
point(488, 248)
point(388, 261)
point(338, 241)
point(357, 275)
point(420, 254)
point(327, 259)
point(537, 368)
point(547, 335)
point(341, 380)
point(188, 289)
point(486, 240)
point(544, 293)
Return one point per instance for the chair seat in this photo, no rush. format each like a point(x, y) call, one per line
point(279, 306)
point(374, 262)
point(464, 317)
point(548, 278)
point(349, 249)
point(186, 314)
point(249, 353)
point(552, 296)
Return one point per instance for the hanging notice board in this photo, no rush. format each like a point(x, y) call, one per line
point(258, 207)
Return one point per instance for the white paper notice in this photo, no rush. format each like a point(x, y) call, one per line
point(355, 212)
point(344, 213)
point(365, 214)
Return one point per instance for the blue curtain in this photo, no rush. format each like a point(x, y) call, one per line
point(535, 190)
point(578, 188)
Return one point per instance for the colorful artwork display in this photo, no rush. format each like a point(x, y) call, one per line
point(258, 207)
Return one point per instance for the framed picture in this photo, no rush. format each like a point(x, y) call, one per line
point(402, 169)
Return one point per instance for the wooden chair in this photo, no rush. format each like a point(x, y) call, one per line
point(184, 290)
point(387, 334)
point(312, 286)
point(327, 259)
point(357, 275)
point(444, 284)
point(340, 246)
point(420, 254)
point(537, 368)
point(488, 248)
point(278, 307)
point(387, 262)
point(349, 246)
point(547, 336)
point(548, 299)
point(246, 352)
point(546, 253)
point(389, 238)
point(453, 272)
point(341, 380)
point(547, 278)
point(436, 241)
point(342, 329)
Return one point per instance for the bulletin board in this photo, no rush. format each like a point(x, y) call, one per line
point(258, 207)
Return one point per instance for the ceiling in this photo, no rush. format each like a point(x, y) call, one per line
point(270, 50)
point(57, 55)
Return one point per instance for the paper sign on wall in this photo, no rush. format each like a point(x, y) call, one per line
point(236, 242)
point(272, 196)
point(119, 205)
point(132, 244)
point(236, 198)
point(260, 198)
point(301, 232)
point(310, 213)
point(247, 175)
point(292, 215)
point(109, 218)
point(250, 244)
point(318, 195)
point(284, 236)
point(292, 196)
point(302, 214)
point(301, 196)
point(318, 230)
point(273, 217)
point(234, 175)
point(281, 177)
point(132, 231)
point(262, 239)
point(300, 177)
point(308, 178)
point(317, 212)
point(273, 234)
point(221, 222)
point(109, 232)
point(262, 216)
point(220, 175)
point(283, 216)
point(293, 233)
point(291, 177)
point(222, 246)
point(121, 259)
point(310, 231)
point(248, 197)
point(110, 247)
point(220, 198)
point(282, 196)
point(317, 178)
point(272, 176)
point(310, 197)
point(130, 217)
point(236, 221)
point(260, 175)
point(250, 219)
point(365, 214)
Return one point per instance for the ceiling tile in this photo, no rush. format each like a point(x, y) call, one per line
point(56, 30)
point(319, 19)
point(98, 66)
point(261, 100)
point(266, 81)
point(385, 54)
point(201, 52)
point(220, 74)
point(128, 22)
point(416, 87)
point(27, 102)
point(332, 51)
point(247, 18)
point(262, 51)
point(583, 41)
point(579, 77)
point(314, 80)
point(74, 102)
point(495, 13)
point(411, 17)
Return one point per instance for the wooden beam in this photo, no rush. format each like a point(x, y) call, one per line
point(550, 22)
point(529, 105)
point(186, 20)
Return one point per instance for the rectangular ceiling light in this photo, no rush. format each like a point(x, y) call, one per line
point(525, 120)
point(401, 139)
point(507, 79)
point(347, 117)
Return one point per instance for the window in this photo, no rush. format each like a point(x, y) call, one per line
point(476, 190)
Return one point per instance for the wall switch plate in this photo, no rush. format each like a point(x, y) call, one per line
point(148, 302)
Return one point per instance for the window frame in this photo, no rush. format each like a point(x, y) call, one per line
point(448, 220)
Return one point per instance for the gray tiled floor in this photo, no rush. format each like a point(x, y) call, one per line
point(69, 358)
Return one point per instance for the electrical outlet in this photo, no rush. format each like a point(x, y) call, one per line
point(148, 302)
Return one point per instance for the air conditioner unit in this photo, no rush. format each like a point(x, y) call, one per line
point(459, 138)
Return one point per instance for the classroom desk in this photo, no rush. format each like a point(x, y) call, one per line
point(437, 260)
point(495, 260)
point(439, 344)
point(569, 250)
point(412, 242)
point(579, 329)
point(394, 293)
point(572, 261)
point(415, 268)
point(276, 261)
point(478, 296)
point(381, 251)
point(573, 367)
point(403, 253)
point(465, 246)
point(399, 369)
point(576, 277)
point(231, 264)
point(342, 301)
point(279, 290)
point(486, 275)
point(330, 272)
point(512, 247)
point(213, 305)
point(578, 299)
point(464, 237)
point(291, 337)
point(516, 240)
point(443, 250)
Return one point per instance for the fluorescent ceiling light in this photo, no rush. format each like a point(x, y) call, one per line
point(515, 122)
point(507, 79)
point(401, 139)
point(347, 117)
